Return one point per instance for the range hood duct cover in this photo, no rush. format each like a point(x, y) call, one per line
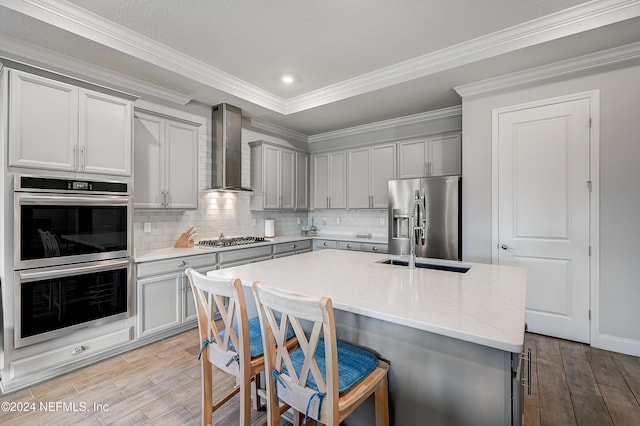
point(227, 149)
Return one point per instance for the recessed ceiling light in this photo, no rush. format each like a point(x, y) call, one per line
point(287, 79)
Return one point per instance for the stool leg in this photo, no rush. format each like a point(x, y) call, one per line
point(207, 390)
point(382, 403)
point(245, 403)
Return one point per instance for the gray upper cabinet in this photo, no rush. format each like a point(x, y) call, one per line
point(279, 177)
point(166, 162)
point(58, 126)
point(434, 156)
point(370, 169)
point(329, 180)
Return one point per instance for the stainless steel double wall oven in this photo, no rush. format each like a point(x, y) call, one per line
point(72, 255)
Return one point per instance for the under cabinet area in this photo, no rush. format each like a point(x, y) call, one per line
point(166, 162)
point(434, 156)
point(369, 171)
point(279, 177)
point(85, 131)
point(165, 299)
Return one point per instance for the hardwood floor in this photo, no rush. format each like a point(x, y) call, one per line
point(160, 384)
point(574, 384)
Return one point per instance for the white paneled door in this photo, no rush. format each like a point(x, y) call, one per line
point(543, 211)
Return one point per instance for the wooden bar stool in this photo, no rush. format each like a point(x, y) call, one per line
point(324, 378)
point(235, 347)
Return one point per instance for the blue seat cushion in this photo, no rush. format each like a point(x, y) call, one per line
point(354, 364)
point(255, 337)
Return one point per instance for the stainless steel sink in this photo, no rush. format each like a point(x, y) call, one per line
point(427, 264)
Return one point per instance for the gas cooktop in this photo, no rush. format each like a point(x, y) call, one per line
point(235, 241)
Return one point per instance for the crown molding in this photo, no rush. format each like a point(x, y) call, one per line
point(587, 62)
point(30, 54)
point(83, 23)
point(388, 124)
point(278, 130)
point(561, 24)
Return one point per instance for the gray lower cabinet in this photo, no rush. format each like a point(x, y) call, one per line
point(289, 249)
point(243, 256)
point(165, 300)
point(320, 244)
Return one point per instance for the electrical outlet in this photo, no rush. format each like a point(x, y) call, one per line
point(298, 220)
point(382, 221)
point(337, 221)
point(147, 227)
point(253, 222)
point(324, 220)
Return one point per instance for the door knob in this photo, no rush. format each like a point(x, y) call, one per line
point(504, 247)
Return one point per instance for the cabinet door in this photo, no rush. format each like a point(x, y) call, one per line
point(383, 169)
point(189, 311)
point(413, 159)
point(43, 123)
point(445, 154)
point(359, 178)
point(148, 183)
point(271, 176)
point(338, 180)
point(320, 181)
point(181, 165)
point(302, 181)
point(159, 302)
point(287, 179)
point(105, 134)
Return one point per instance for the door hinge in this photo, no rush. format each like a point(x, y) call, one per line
point(589, 250)
point(589, 185)
point(590, 122)
point(589, 314)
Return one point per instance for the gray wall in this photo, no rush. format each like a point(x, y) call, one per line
point(619, 294)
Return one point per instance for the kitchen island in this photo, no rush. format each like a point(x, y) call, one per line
point(453, 339)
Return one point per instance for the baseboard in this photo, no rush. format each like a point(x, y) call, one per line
point(617, 344)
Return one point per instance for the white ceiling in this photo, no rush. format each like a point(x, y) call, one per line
point(355, 61)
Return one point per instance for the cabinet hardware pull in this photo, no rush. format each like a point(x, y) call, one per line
point(293, 246)
point(375, 248)
point(75, 158)
point(182, 263)
point(348, 246)
point(325, 244)
point(78, 350)
point(82, 165)
point(504, 247)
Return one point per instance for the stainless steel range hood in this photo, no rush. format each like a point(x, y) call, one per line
point(227, 149)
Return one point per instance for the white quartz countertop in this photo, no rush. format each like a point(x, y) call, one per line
point(170, 252)
point(485, 305)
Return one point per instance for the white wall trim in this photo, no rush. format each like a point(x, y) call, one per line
point(47, 59)
point(388, 124)
point(557, 69)
point(594, 203)
point(278, 130)
point(85, 24)
point(617, 344)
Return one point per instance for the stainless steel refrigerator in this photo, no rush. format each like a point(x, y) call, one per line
point(442, 222)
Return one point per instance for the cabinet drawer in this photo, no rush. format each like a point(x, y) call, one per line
point(176, 264)
point(233, 256)
point(293, 246)
point(349, 245)
point(324, 244)
point(68, 354)
point(375, 248)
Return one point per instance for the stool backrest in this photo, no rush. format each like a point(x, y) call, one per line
point(276, 310)
point(226, 345)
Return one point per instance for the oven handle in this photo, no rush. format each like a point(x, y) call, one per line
point(73, 200)
point(66, 270)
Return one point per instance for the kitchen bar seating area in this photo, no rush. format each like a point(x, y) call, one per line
point(443, 212)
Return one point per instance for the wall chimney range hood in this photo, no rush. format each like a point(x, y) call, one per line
point(227, 149)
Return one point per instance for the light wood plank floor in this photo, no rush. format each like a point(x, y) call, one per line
point(159, 384)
